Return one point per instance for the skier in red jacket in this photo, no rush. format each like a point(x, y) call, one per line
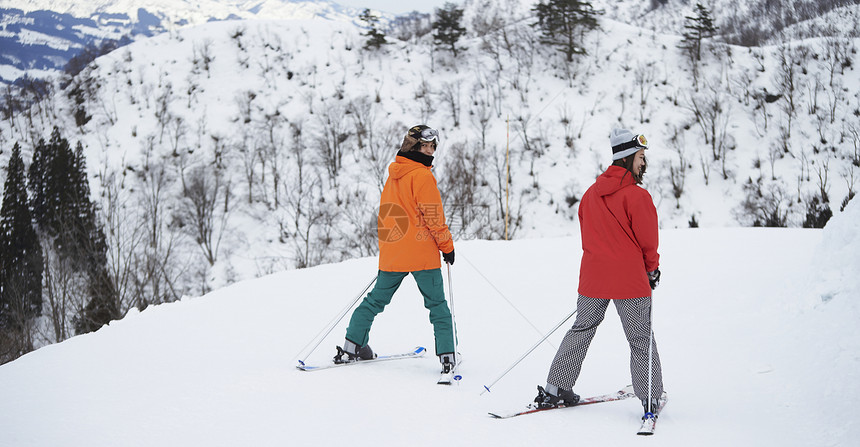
point(620, 263)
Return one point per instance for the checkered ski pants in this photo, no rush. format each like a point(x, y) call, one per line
point(636, 319)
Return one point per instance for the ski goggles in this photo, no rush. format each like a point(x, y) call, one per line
point(429, 135)
point(630, 147)
point(638, 141)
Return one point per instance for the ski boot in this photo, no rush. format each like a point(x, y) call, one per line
point(353, 353)
point(448, 363)
point(650, 412)
point(546, 399)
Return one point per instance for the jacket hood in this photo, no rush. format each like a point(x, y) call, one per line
point(403, 166)
point(613, 180)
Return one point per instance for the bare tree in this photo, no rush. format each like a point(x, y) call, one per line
point(358, 231)
point(157, 271)
point(273, 134)
point(204, 190)
point(823, 172)
point(787, 80)
point(63, 291)
point(765, 205)
point(678, 172)
point(643, 77)
point(424, 96)
point(853, 130)
point(377, 142)
point(17, 324)
point(177, 130)
point(331, 140)
point(125, 234)
point(305, 214)
point(711, 112)
point(848, 175)
point(761, 99)
point(450, 96)
point(202, 57)
point(836, 55)
point(835, 96)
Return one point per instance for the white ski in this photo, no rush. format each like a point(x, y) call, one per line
point(417, 352)
point(649, 421)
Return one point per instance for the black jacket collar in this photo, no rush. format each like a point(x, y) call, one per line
point(424, 159)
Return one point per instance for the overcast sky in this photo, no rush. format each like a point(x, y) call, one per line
point(396, 6)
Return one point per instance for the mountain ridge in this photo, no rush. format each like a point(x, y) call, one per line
point(66, 28)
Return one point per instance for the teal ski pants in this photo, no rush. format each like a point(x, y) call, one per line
point(431, 287)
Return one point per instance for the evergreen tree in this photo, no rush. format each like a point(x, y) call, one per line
point(447, 29)
point(697, 29)
point(38, 183)
point(20, 262)
point(65, 214)
point(52, 181)
point(91, 245)
point(563, 23)
point(375, 38)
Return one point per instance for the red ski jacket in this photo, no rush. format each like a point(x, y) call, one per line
point(618, 222)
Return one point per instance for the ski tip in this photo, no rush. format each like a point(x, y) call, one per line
point(419, 350)
point(494, 416)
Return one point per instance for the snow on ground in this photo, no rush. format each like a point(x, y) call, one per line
point(756, 329)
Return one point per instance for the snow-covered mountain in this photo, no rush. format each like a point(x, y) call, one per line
point(38, 37)
point(184, 12)
point(756, 330)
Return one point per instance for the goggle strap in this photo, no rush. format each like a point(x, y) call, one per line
point(632, 143)
point(626, 145)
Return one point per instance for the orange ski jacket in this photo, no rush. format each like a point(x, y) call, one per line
point(411, 222)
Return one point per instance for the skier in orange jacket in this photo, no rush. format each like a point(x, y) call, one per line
point(412, 233)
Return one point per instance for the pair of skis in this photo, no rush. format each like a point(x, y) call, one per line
point(444, 379)
point(649, 421)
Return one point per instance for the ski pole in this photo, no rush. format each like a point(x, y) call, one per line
point(487, 387)
point(451, 303)
point(327, 330)
point(650, 352)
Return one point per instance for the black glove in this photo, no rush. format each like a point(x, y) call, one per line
point(654, 278)
point(449, 257)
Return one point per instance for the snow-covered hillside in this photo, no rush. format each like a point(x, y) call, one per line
point(756, 330)
point(38, 38)
point(158, 97)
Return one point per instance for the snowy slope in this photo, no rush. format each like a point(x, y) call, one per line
point(753, 354)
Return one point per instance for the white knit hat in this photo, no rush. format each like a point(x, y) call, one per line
point(623, 144)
